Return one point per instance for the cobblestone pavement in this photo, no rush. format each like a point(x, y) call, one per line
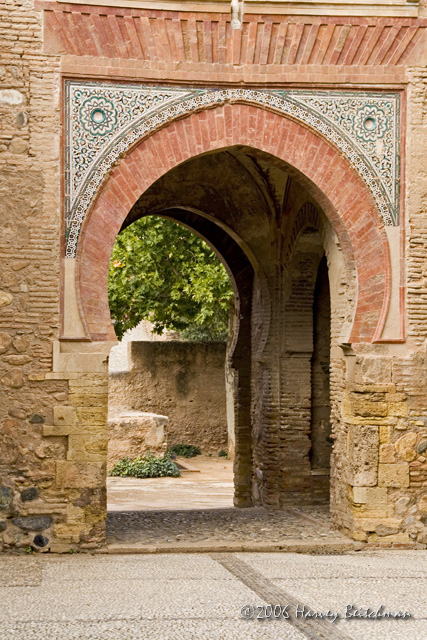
point(220, 525)
point(200, 596)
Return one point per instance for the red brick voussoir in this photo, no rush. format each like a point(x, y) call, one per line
point(326, 174)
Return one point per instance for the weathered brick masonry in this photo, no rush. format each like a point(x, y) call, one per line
point(276, 197)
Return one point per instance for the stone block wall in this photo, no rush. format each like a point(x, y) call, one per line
point(384, 387)
point(184, 381)
point(30, 218)
point(134, 433)
point(386, 443)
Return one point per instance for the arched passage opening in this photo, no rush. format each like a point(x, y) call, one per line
point(254, 186)
point(326, 175)
point(271, 235)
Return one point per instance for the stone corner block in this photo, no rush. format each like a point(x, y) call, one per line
point(393, 475)
point(71, 532)
point(384, 525)
point(80, 475)
point(87, 447)
point(64, 415)
point(363, 445)
point(370, 495)
point(50, 430)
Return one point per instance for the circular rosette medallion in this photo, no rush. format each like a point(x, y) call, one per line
point(98, 116)
point(370, 123)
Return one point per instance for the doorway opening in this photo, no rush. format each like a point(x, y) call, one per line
point(278, 249)
point(320, 427)
point(249, 172)
point(171, 298)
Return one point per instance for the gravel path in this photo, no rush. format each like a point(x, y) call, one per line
point(200, 596)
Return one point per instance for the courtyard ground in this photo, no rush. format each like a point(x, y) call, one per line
point(201, 596)
point(209, 486)
point(195, 512)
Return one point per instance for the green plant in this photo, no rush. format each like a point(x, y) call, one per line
point(222, 454)
point(185, 450)
point(149, 466)
point(29, 549)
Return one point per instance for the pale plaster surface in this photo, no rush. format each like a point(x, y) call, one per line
point(119, 354)
point(72, 325)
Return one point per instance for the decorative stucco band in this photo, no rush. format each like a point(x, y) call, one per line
point(104, 121)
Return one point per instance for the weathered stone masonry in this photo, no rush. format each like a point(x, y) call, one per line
point(183, 381)
point(55, 330)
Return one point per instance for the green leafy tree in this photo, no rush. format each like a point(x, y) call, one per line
point(162, 272)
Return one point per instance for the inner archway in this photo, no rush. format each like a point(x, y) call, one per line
point(272, 237)
point(237, 441)
point(277, 247)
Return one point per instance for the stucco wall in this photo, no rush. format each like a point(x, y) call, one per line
point(184, 381)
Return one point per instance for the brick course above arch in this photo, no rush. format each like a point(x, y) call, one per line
point(328, 177)
point(284, 42)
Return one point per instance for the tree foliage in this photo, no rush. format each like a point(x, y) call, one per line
point(162, 272)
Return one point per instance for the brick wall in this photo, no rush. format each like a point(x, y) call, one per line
point(30, 276)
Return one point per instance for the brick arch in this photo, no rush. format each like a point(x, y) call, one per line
point(327, 175)
point(308, 215)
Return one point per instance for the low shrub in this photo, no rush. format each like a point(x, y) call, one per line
point(222, 454)
point(147, 467)
point(185, 450)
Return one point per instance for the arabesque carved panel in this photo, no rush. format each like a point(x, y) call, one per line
point(103, 120)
